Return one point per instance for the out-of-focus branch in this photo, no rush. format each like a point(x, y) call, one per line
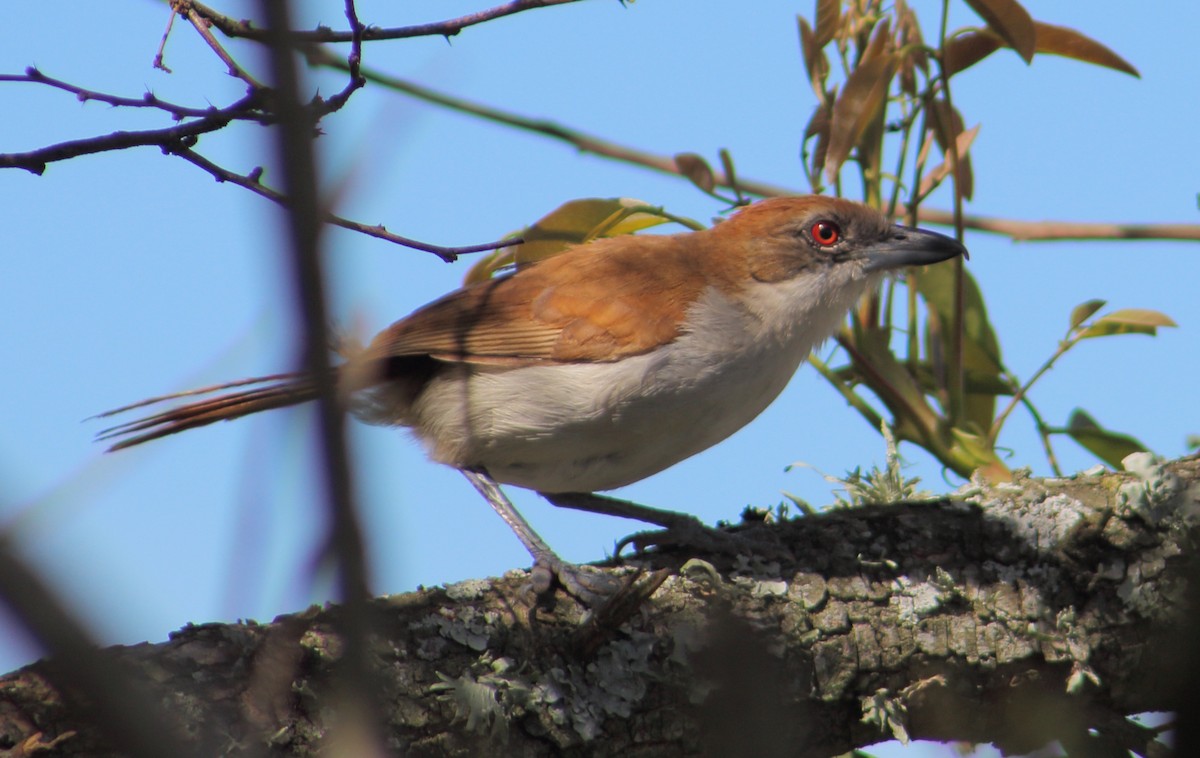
point(345, 547)
point(231, 27)
point(1021, 231)
point(107, 693)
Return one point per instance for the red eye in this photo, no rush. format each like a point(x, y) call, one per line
point(826, 233)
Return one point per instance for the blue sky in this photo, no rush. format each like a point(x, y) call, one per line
point(132, 273)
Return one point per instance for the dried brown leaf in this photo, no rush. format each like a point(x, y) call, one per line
point(926, 146)
point(864, 94)
point(697, 170)
point(931, 180)
point(829, 18)
point(881, 42)
point(966, 50)
point(1011, 21)
point(947, 124)
point(909, 41)
point(1059, 40)
point(818, 126)
point(816, 65)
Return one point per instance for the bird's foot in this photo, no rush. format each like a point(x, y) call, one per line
point(695, 536)
point(590, 586)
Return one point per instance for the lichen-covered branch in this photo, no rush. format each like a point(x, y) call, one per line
point(1016, 614)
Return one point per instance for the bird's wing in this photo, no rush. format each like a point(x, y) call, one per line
point(599, 302)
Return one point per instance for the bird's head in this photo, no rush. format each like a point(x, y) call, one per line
point(807, 260)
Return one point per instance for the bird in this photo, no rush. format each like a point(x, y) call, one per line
point(604, 364)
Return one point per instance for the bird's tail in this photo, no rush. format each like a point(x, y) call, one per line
point(276, 391)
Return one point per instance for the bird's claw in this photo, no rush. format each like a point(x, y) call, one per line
point(704, 539)
point(590, 586)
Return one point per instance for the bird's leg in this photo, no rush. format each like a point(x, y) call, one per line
point(547, 565)
point(611, 506)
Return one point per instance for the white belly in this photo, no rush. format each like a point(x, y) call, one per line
point(589, 427)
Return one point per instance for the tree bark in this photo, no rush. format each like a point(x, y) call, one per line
point(1020, 613)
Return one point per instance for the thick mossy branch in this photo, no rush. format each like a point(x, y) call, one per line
point(1016, 614)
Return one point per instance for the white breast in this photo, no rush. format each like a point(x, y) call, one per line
point(589, 427)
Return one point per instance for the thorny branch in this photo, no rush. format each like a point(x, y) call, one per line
point(449, 28)
point(206, 34)
point(257, 107)
point(251, 182)
point(35, 161)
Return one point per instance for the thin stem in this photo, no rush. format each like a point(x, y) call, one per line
point(957, 372)
point(852, 398)
point(1043, 432)
point(1019, 395)
point(206, 34)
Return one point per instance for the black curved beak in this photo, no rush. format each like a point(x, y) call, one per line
point(906, 246)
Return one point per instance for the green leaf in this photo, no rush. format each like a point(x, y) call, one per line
point(1012, 22)
point(697, 170)
point(1084, 311)
point(1128, 321)
point(1110, 447)
point(975, 451)
point(572, 223)
point(894, 385)
point(981, 349)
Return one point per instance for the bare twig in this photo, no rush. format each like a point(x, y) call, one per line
point(245, 29)
point(252, 183)
point(1020, 231)
point(162, 45)
point(201, 24)
point(182, 135)
point(238, 111)
point(353, 61)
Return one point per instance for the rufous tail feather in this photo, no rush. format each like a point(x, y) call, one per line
point(284, 390)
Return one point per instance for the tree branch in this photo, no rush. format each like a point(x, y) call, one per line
point(185, 135)
point(253, 183)
point(148, 100)
point(247, 30)
point(1016, 614)
point(1021, 231)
